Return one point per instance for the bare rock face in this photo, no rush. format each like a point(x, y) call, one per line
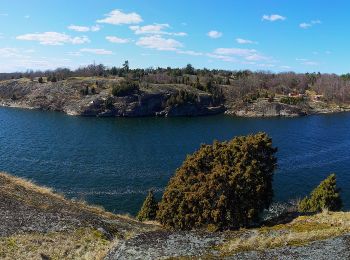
point(66, 96)
point(266, 109)
point(163, 245)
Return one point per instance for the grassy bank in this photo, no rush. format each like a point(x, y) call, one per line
point(36, 223)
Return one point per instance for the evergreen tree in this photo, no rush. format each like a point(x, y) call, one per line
point(126, 66)
point(114, 71)
point(53, 79)
point(41, 80)
point(221, 186)
point(324, 196)
point(189, 69)
point(149, 208)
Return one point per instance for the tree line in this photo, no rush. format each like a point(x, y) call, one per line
point(237, 84)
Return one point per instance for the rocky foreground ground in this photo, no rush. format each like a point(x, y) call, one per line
point(36, 223)
point(91, 96)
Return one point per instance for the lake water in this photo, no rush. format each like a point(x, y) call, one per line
point(113, 162)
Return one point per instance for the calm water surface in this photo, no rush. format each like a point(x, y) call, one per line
point(113, 162)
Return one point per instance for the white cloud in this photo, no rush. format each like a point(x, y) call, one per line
point(117, 17)
point(221, 57)
point(214, 34)
point(78, 28)
point(266, 65)
point(245, 56)
point(179, 34)
point(9, 52)
point(311, 63)
point(307, 62)
point(97, 51)
point(285, 67)
point(74, 53)
point(191, 53)
point(155, 29)
point(245, 41)
point(115, 39)
point(53, 38)
point(159, 43)
point(273, 17)
point(305, 25)
point(256, 57)
point(310, 24)
point(149, 29)
point(95, 28)
point(235, 51)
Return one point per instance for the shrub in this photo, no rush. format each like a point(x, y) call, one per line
point(221, 186)
point(149, 208)
point(181, 97)
point(53, 79)
point(124, 88)
point(109, 103)
point(292, 100)
point(85, 91)
point(324, 196)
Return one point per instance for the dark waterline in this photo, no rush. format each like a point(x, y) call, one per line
point(113, 162)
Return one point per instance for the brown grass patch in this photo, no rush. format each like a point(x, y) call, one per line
point(79, 244)
point(301, 231)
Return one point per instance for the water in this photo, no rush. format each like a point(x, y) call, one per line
point(113, 162)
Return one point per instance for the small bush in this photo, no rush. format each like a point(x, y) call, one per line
point(149, 208)
point(124, 88)
point(324, 196)
point(109, 103)
point(292, 100)
point(221, 186)
point(180, 98)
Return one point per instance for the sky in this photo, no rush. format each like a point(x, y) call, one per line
point(274, 35)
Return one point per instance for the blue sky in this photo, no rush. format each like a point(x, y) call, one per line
point(276, 35)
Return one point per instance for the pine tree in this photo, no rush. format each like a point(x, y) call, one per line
point(324, 196)
point(149, 208)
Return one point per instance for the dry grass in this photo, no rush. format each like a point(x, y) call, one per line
point(9, 183)
point(45, 198)
point(301, 231)
point(82, 240)
point(79, 244)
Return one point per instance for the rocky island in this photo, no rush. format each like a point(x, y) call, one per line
point(170, 92)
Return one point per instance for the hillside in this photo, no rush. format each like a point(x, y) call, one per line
point(36, 223)
point(92, 96)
